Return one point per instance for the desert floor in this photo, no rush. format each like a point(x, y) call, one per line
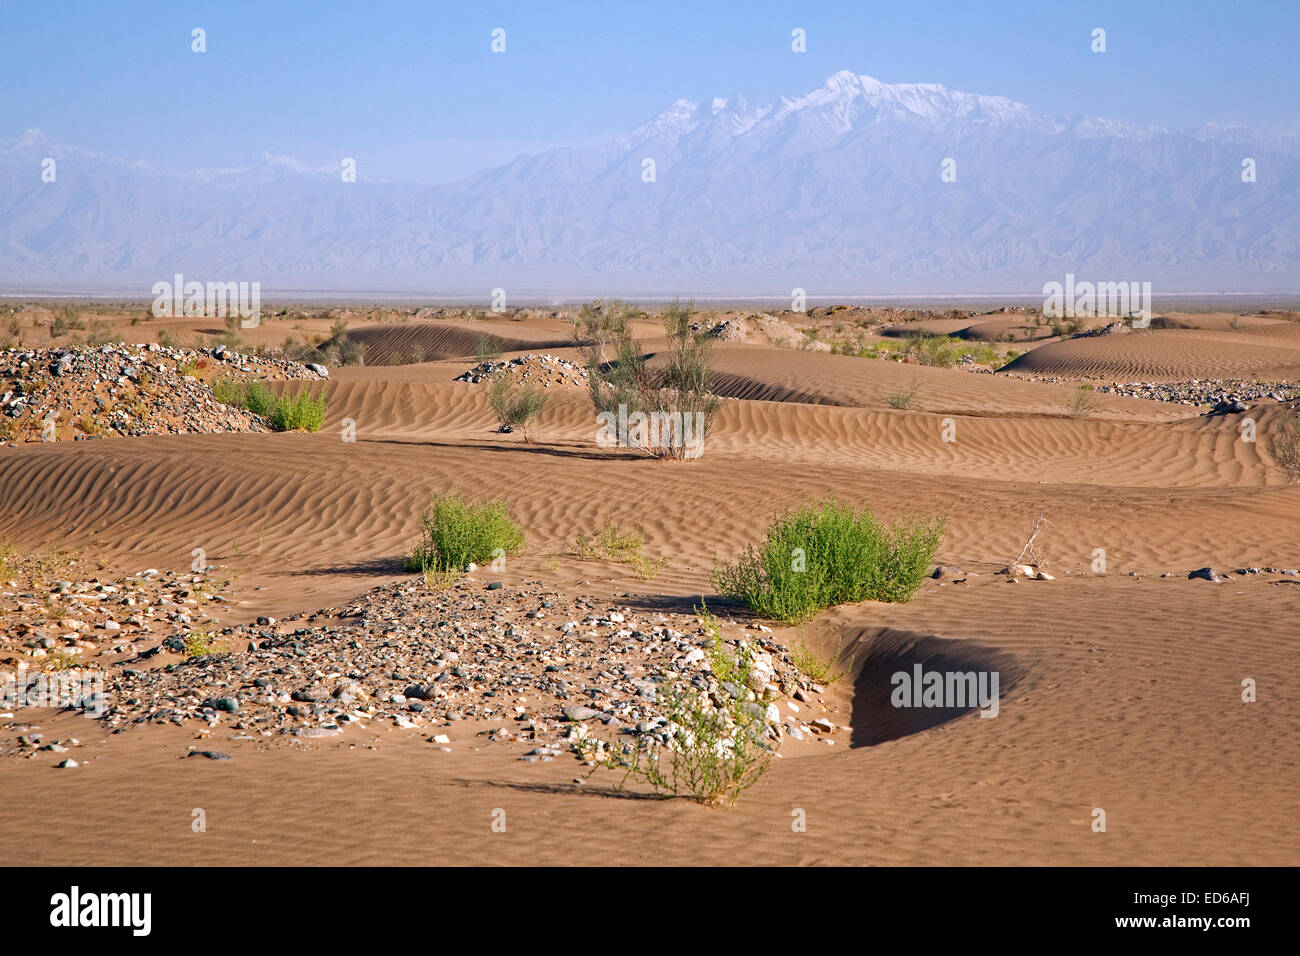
point(1122, 690)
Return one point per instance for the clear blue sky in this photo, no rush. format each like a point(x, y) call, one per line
point(412, 90)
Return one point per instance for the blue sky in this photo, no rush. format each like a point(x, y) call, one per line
point(413, 91)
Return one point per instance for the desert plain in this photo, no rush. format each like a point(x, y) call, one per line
point(1165, 701)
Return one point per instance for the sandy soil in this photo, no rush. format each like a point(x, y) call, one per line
point(1122, 690)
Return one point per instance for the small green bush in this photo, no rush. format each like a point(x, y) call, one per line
point(515, 405)
point(298, 413)
point(711, 754)
point(819, 556)
point(456, 532)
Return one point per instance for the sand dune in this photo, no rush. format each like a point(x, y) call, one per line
point(1170, 355)
point(1121, 689)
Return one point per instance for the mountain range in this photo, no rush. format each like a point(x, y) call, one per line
point(858, 187)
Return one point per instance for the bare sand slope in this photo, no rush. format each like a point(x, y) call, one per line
point(1122, 692)
point(765, 374)
point(1170, 354)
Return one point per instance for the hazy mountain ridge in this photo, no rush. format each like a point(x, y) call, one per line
point(837, 188)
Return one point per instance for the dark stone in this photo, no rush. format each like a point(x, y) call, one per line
point(210, 754)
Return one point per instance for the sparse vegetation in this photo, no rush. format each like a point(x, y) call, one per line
point(819, 556)
point(677, 400)
point(201, 644)
point(903, 400)
point(820, 668)
point(515, 405)
point(456, 533)
point(65, 320)
point(299, 412)
point(709, 749)
point(1081, 402)
point(1284, 442)
point(625, 547)
point(711, 755)
point(486, 350)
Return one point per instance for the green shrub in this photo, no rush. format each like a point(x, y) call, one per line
point(456, 532)
point(259, 399)
point(515, 405)
point(299, 412)
point(818, 556)
point(903, 400)
point(708, 753)
point(820, 668)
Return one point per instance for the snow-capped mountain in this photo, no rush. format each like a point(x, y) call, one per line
point(840, 190)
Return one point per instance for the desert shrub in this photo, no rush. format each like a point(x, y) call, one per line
point(602, 322)
point(9, 560)
point(903, 400)
point(1081, 403)
point(1284, 442)
point(820, 668)
point(818, 556)
point(707, 753)
point(253, 396)
point(65, 320)
point(299, 412)
point(943, 351)
point(341, 349)
point(1064, 326)
point(259, 399)
point(515, 405)
point(201, 644)
point(711, 748)
point(614, 544)
point(455, 533)
point(675, 400)
point(98, 332)
point(486, 349)
point(229, 392)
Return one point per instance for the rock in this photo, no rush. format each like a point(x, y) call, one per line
point(581, 713)
point(945, 571)
point(320, 370)
point(1205, 574)
point(495, 586)
point(69, 762)
point(210, 754)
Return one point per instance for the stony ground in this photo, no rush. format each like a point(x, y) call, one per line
point(84, 392)
point(1194, 392)
point(537, 666)
point(544, 369)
